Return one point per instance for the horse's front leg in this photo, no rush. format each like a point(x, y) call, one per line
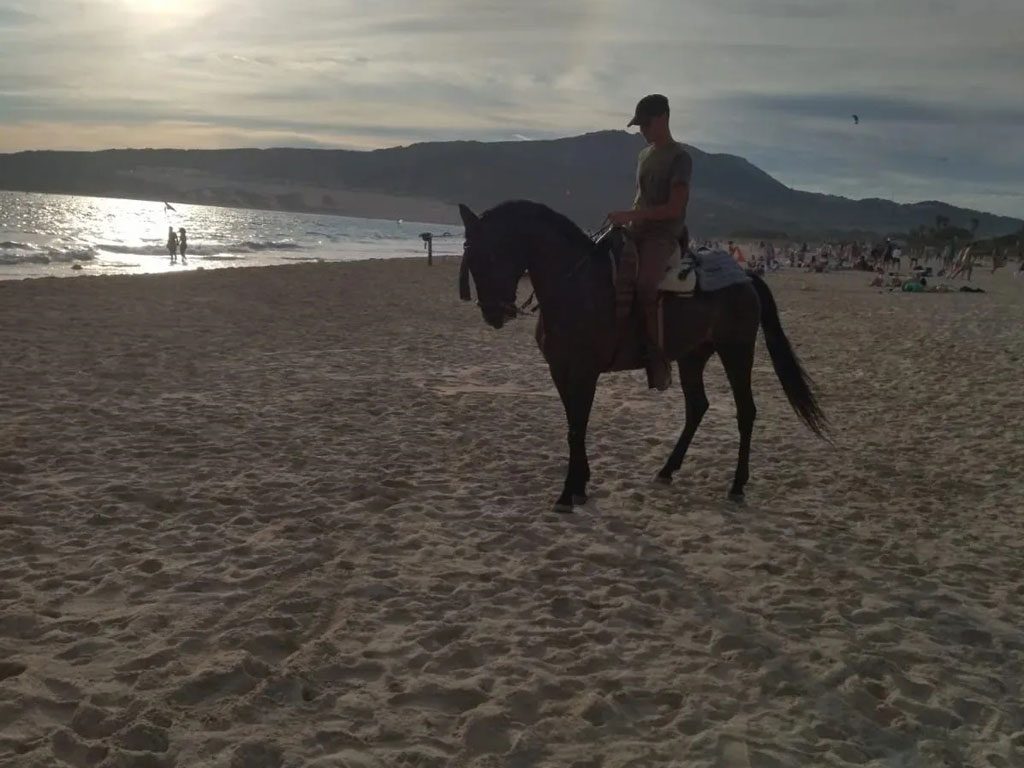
point(576, 388)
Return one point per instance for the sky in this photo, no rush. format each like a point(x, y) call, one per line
point(938, 84)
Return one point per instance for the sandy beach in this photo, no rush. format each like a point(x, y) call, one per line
point(301, 516)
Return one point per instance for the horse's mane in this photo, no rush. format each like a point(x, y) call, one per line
point(517, 212)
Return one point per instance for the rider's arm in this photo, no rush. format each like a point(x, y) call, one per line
point(673, 208)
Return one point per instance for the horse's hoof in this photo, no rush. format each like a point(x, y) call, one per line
point(562, 508)
point(737, 497)
point(660, 479)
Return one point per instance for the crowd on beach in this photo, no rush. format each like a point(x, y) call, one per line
point(885, 260)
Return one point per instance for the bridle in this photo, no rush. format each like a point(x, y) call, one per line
point(531, 305)
point(509, 309)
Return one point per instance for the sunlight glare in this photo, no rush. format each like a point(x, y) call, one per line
point(163, 8)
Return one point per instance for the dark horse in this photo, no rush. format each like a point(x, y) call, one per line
point(580, 337)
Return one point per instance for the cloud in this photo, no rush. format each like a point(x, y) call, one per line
point(936, 83)
point(12, 16)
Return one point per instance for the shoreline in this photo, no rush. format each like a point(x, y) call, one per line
point(202, 269)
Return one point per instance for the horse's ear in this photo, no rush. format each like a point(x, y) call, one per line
point(469, 219)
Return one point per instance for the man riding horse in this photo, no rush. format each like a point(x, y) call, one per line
point(581, 329)
point(657, 219)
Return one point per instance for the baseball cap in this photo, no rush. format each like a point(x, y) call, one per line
point(649, 106)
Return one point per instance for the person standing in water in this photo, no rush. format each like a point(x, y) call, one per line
point(182, 244)
point(172, 244)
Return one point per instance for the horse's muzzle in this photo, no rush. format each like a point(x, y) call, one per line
point(496, 315)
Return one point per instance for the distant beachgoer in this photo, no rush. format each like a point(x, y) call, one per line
point(963, 266)
point(172, 244)
point(737, 253)
point(887, 253)
point(998, 260)
point(915, 285)
point(182, 243)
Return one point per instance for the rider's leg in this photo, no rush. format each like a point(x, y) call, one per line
point(655, 253)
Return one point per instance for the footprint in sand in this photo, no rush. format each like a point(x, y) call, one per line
point(452, 701)
point(144, 737)
point(91, 722)
point(239, 677)
point(68, 748)
point(364, 672)
point(487, 734)
point(10, 669)
point(257, 754)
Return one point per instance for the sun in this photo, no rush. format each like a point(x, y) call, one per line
point(163, 8)
point(152, 6)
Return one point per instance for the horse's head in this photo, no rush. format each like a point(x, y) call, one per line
point(495, 267)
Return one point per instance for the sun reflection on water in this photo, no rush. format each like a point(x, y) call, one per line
point(62, 235)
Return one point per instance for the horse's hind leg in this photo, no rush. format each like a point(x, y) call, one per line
point(738, 360)
point(691, 376)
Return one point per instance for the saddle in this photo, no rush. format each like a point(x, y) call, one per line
point(617, 245)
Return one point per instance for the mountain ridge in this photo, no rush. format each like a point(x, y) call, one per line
point(582, 176)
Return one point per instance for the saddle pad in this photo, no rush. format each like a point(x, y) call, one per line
point(716, 269)
point(679, 275)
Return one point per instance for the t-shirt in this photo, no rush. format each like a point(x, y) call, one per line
point(658, 169)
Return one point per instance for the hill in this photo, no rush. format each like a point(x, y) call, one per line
point(582, 176)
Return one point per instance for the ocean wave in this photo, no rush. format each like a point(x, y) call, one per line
point(205, 249)
point(71, 254)
point(47, 256)
point(270, 245)
point(135, 250)
point(7, 260)
point(14, 253)
point(376, 234)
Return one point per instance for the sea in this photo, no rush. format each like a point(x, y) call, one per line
point(44, 235)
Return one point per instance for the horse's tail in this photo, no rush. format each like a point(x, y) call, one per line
point(797, 385)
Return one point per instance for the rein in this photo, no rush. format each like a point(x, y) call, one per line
point(531, 305)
